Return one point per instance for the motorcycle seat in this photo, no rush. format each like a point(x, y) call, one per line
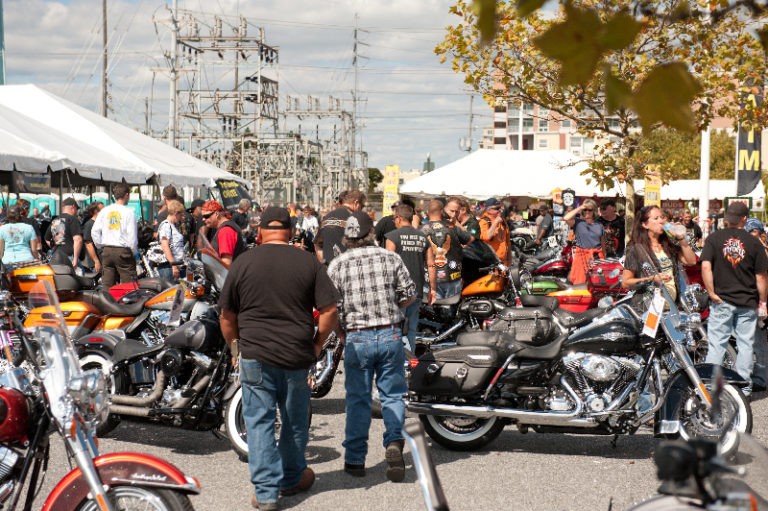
point(548, 302)
point(508, 345)
point(449, 301)
point(107, 304)
point(130, 349)
point(571, 320)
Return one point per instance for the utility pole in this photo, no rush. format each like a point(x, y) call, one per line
point(355, 100)
point(2, 45)
point(174, 64)
point(104, 39)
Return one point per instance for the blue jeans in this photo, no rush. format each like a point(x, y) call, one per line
point(370, 353)
point(166, 272)
point(759, 374)
point(726, 320)
point(265, 388)
point(411, 314)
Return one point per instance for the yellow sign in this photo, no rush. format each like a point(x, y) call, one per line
point(652, 189)
point(391, 186)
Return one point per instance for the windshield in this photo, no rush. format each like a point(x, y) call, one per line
point(215, 269)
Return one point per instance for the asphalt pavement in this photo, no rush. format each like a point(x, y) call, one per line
point(526, 472)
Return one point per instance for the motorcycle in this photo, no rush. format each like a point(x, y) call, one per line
point(603, 279)
point(694, 475)
point(574, 373)
point(62, 397)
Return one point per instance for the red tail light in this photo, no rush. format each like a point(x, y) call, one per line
point(414, 362)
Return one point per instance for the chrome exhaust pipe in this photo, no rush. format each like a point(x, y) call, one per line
point(157, 392)
point(452, 330)
point(570, 418)
point(135, 411)
point(326, 371)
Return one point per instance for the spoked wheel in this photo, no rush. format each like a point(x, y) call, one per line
point(696, 420)
point(462, 433)
point(136, 498)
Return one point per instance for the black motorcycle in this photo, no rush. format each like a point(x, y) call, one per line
point(574, 373)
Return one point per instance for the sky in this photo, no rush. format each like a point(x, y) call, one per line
point(412, 105)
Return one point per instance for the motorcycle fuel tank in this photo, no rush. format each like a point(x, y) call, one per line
point(616, 336)
point(194, 335)
point(489, 284)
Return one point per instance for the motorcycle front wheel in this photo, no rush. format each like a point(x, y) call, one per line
point(98, 360)
point(136, 498)
point(462, 433)
point(696, 421)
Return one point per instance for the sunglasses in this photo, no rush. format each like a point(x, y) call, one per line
point(495, 208)
point(206, 216)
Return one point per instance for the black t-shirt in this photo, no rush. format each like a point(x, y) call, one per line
point(383, 227)
point(87, 238)
point(472, 226)
point(736, 257)
point(272, 289)
point(332, 232)
point(241, 219)
point(693, 233)
point(411, 245)
point(614, 235)
point(62, 231)
point(446, 241)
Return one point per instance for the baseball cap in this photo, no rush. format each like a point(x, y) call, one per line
point(275, 214)
point(70, 201)
point(197, 203)
point(359, 224)
point(735, 212)
point(753, 224)
point(491, 203)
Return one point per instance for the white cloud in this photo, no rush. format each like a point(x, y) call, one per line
point(413, 104)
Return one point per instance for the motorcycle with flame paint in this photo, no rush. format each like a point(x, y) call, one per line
point(43, 390)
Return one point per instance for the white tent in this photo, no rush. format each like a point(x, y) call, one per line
point(492, 173)
point(141, 156)
point(689, 189)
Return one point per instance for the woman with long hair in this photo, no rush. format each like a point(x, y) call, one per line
point(589, 239)
point(652, 255)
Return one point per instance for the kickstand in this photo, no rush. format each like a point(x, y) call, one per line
point(614, 441)
point(218, 434)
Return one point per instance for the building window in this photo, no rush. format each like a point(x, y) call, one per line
point(514, 109)
point(499, 124)
point(543, 125)
point(543, 143)
point(514, 124)
point(500, 140)
point(528, 108)
point(528, 124)
point(543, 112)
point(565, 123)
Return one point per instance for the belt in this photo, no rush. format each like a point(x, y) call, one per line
point(115, 246)
point(377, 327)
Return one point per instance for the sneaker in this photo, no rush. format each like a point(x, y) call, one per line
point(305, 483)
point(263, 506)
point(354, 469)
point(395, 463)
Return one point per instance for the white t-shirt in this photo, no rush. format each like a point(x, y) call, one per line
point(166, 230)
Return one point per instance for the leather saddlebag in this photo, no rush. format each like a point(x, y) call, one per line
point(532, 325)
point(459, 371)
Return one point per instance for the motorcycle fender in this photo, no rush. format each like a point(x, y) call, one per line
point(679, 384)
point(120, 469)
point(99, 340)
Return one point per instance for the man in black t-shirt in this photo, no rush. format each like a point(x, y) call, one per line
point(546, 226)
point(328, 240)
point(446, 243)
point(64, 235)
point(240, 216)
point(413, 248)
point(385, 225)
point(613, 227)
point(266, 305)
point(692, 230)
point(733, 268)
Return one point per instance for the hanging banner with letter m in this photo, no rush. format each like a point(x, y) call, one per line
point(748, 157)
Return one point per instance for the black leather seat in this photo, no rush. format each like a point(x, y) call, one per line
point(107, 305)
point(508, 345)
point(549, 302)
point(572, 320)
point(449, 301)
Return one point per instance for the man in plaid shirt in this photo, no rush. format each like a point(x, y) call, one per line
point(374, 285)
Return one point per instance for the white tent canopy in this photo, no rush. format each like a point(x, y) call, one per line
point(492, 173)
point(689, 189)
point(140, 157)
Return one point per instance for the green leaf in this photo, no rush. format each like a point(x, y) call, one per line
point(665, 97)
point(526, 7)
point(762, 35)
point(574, 44)
point(620, 31)
point(486, 19)
point(617, 93)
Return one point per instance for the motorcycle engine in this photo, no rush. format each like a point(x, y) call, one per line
point(599, 378)
point(171, 362)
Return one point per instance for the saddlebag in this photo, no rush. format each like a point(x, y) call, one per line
point(532, 325)
point(459, 371)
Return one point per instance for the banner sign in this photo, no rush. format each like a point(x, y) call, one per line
point(231, 193)
point(748, 158)
point(391, 186)
point(746, 200)
point(25, 182)
point(652, 189)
